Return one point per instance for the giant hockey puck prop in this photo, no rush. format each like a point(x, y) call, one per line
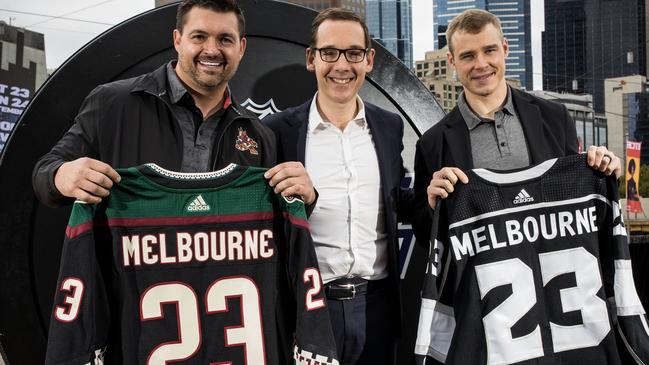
point(271, 77)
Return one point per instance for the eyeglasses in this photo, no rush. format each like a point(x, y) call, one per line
point(352, 55)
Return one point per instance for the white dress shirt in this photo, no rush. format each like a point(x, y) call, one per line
point(347, 224)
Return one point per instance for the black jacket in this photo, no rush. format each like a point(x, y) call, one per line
point(549, 132)
point(130, 122)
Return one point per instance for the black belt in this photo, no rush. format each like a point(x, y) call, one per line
point(349, 288)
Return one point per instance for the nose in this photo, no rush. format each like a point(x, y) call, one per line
point(342, 63)
point(481, 61)
point(211, 46)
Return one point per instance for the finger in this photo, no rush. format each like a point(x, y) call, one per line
point(290, 183)
point(590, 155)
point(443, 184)
point(86, 197)
point(461, 175)
point(437, 192)
point(279, 167)
point(105, 169)
point(99, 178)
point(93, 189)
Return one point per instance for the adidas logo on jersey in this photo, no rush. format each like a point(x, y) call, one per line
point(523, 197)
point(198, 205)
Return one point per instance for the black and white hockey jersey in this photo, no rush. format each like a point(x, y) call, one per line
point(208, 268)
point(531, 267)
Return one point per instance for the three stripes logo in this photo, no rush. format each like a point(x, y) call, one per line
point(523, 197)
point(198, 205)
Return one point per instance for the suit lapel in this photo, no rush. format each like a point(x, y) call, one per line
point(459, 143)
point(299, 123)
point(532, 122)
point(380, 138)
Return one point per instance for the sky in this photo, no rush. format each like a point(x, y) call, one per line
point(70, 24)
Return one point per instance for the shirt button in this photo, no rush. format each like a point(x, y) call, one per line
point(503, 144)
point(499, 125)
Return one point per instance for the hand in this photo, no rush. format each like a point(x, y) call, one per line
point(600, 158)
point(443, 183)
point(291, 178)
point(86, 179)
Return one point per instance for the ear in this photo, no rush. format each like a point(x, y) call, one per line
point(177, 36)
point(243, 42)
point(370, 60)
point(450, 59)
point(310, 58)
point(505, 46)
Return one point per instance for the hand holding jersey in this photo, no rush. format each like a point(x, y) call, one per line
point(523, 267)
point(291, 178)
point(443, 181)
point(85, 179)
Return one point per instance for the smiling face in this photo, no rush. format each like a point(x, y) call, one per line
point(479, 60)
point(209, 49)
point(339, 82)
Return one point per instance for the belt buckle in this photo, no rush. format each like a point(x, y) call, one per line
point(348, 286)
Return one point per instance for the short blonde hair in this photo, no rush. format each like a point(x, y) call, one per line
point(471, 21)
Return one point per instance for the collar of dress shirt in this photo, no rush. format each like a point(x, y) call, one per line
point(316, 121)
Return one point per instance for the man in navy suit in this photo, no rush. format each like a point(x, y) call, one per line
point(352, 152)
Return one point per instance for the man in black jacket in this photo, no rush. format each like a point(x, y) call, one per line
point(180, 116)
point(493, 126)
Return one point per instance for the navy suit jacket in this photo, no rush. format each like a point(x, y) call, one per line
point(290, 127)
point(549, 132)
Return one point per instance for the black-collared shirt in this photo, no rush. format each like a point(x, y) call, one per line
point(199, 135)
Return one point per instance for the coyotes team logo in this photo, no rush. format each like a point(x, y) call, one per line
point(245, 143)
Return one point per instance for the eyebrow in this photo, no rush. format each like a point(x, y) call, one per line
point(353, 46)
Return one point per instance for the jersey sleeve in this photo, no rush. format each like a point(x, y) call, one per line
point(79, 320)
point(436, 316)
point(313, 338)
point(631, 317)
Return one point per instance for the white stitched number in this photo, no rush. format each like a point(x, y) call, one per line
point(313, 275)
point(582, 297)
point(249, 334)
point(501, 347)
point(75, 287)
point(188, 326)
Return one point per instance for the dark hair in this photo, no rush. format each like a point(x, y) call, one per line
point(219, 6)
point(338, 14)
point(631, 165)
point(471, 21)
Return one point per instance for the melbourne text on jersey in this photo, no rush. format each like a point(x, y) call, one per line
point(516, 231)
point(225, 245)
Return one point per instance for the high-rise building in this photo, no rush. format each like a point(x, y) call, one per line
point(357, 6)
point(627, 111)
point(435, 72)
point(390, 23)
point(591, 127)
point(586, 42)
point(515, 19)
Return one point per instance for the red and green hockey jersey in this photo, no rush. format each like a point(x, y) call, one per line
point(209, 268)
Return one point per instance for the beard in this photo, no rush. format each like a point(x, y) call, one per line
point(210, 78)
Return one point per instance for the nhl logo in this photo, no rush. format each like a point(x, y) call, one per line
point(262, 110)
